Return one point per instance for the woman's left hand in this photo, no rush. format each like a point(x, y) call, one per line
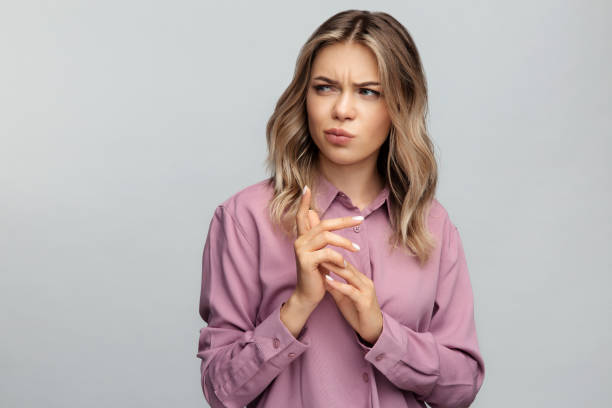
point(356, 300)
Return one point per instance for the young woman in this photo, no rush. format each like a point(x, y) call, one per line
point(340, 281)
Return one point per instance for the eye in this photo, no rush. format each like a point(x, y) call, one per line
point(319, 87)
point(370, 90)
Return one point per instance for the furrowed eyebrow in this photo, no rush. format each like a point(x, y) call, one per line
point(330, 81)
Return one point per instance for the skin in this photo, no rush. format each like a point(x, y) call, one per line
point(310, 254)
point(360, 110)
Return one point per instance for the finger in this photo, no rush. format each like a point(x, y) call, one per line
point(349, 276)
point(329, 238)
point(313, 218)
point(332, 224)
point(343, 288)
point(358, 274)
point(337, 295)
point(327, 255)
point(301, 218)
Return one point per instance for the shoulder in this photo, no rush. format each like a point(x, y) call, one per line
point(438, 214)
point(250, 200)
point(248, 207)
point(440, 223)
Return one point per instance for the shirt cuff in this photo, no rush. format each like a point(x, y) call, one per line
point(385, 353)
point(276, 342)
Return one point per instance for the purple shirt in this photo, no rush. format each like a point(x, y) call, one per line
point(427, 351)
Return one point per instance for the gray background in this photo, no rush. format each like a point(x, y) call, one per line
point(124, 123)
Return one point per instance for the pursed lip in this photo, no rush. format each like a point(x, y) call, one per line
point(339, 132)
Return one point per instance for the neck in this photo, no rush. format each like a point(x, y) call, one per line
point(360, 181)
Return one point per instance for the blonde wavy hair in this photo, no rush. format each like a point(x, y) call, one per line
point(406, 159)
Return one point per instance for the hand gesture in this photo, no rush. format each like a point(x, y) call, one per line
point(310, 251)
point(356, 300)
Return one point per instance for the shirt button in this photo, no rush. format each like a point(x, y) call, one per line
point(365, 377)
point(380, 357)
point(356, 228)
point(276, 343)
point(291, 355)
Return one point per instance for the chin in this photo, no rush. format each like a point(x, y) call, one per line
point(340, 158)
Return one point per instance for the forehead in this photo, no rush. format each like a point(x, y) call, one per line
point(346, 60)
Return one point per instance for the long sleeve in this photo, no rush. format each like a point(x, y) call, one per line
point(442, 366)
point(239, 359)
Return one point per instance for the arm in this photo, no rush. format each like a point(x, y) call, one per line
point(442, 366)
point(239, 359)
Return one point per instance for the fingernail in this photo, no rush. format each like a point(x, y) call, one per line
point(358, 217)
point(328, 277)
point(356, 247)
point(345, 263)
point(304, 190)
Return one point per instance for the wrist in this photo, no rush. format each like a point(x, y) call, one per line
point(294, 313)
point(298, 303)
point(364, 341)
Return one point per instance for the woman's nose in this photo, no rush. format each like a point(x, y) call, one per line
point(344, 107)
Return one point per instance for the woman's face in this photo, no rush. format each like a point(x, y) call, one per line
point(344, 93)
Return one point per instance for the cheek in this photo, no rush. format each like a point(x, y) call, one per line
point(379, 123)
point(315, 111)
point(313, 119)
point(382, 116)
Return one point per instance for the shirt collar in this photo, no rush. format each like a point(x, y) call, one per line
point(327, 192)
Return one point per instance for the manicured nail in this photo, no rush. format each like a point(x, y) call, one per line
point(356, 247)
point(328, 277)
point(345, 263)
point(358, 217)
point(304, 190)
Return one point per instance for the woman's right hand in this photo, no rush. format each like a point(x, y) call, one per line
point(310, 251)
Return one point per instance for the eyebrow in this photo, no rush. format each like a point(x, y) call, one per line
point(330, 81)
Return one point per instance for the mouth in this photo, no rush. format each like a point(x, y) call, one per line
point(336, 139)
point(339, 132)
